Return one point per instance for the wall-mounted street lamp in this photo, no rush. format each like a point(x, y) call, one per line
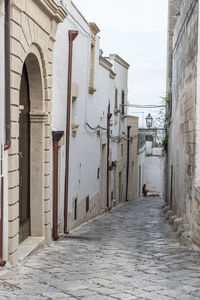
point(149, 121)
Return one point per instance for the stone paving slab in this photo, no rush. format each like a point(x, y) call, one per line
point(129, 253)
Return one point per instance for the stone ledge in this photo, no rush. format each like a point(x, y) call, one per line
point(29, 245)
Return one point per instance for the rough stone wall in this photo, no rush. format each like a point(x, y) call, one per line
point(121, 168)
point(182, 124)
point(173, 10)
point(133, 163)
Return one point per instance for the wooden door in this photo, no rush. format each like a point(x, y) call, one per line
point(171, 188)
point(24, 159)
point(140, 180)
point(103, 176)
point(120, 186)
point(132, 181)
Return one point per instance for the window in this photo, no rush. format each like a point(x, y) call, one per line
point(116, 100)
point(149, 138)
point(92, 56)
point(98, 171)
point(75, 209)
point(123, 101)
point(93, 32)
point(87, 203)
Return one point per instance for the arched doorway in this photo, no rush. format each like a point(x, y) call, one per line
point(31, 149)
point(24, 158)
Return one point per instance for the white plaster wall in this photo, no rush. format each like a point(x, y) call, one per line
point(153, 174)
point(149, 148)
point(78, 145)
point(152, 168)
point(85, 148)
point(121, 84)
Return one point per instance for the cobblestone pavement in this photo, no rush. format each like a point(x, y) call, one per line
point(129, 253)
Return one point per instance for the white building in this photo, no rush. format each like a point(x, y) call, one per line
point(98, 89)
point(151, 163)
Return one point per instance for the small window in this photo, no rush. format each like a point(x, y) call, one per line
point(74, 111)
point(149, 138)
point(75, 209)
point(87, 204)
point(92, 61)
point(98, 172)
point(123, 101)
point(116, 100)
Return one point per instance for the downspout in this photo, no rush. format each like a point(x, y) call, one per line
point(72, 35)
point(7, 73)
point(2, 262)
point(57, 135)
point(109, 115)
point(128, 159)
point(7, 116)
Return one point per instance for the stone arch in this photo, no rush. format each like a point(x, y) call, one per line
point(36, 69)
point(37, 140)
point(33, 29)
point(35, 82)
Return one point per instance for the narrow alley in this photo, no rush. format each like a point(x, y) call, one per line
point(129, 253)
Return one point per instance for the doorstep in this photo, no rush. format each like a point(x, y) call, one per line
point(29, 245)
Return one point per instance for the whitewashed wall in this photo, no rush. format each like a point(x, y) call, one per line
point(81, 46)
point(121, 84)
point(152, 169)
point(154, 173)
point(85, 147)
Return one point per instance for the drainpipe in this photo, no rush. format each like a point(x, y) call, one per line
point(127, 167)
point(109, 115)
point(7, 73)
point(2, 262)
point(72, 35)
point(57, 135)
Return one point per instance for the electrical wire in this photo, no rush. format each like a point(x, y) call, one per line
point(92, 128)
point(97, 127)
point(143, 106)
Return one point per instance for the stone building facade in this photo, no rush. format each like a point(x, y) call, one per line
point(45, 72)
point(33, 26)
point(183, 88)
point(2, 118)
point(133, 189)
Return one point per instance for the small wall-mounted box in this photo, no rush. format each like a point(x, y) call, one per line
point(75, 91)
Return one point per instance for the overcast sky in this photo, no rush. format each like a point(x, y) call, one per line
point(137, 31)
